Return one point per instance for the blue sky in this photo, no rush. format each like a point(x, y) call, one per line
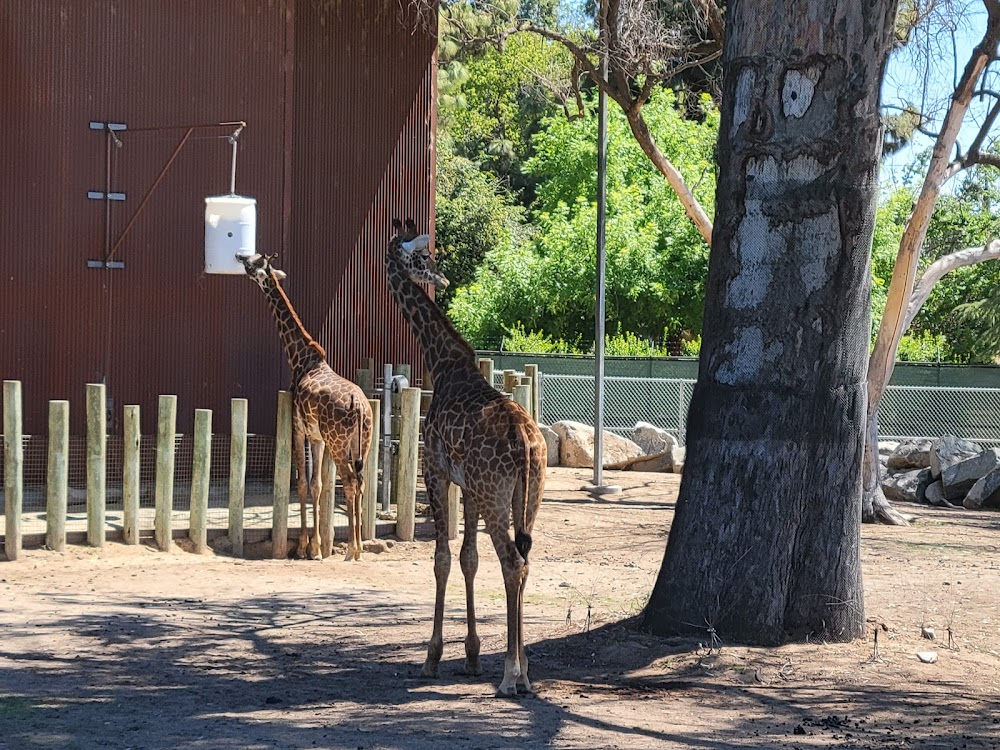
point(924, 72)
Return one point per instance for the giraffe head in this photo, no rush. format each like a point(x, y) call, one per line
point(259, 268)
point(412, 252)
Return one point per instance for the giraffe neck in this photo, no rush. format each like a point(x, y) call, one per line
point(445, 351)
point(302, 350)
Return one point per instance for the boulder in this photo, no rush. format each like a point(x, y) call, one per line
point(551, 444)
point(909, 486)
point(985, 493)
point(959, 478)
point(912, 454)
point(886, 447)
point(934, 494)
point(576, 445)
point(653, 440)
point(680, 452)
point(950, 450)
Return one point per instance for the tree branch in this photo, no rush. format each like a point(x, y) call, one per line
point(970, 256)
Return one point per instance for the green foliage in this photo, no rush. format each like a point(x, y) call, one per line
point(924, 347)
point(656, 260)
point(535, 342)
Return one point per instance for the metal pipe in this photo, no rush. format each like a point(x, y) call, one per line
point(386, 436)
point(602, 184)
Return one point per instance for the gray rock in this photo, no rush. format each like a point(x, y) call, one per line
point(985, 493)
point(886, 447)
point(652, 439)
point(909, 486)
point(576, 445)
point(959, 478)
point(928, 632)
point(934, 494)
point(912, 454)
point(927, 657)
point(680, 453)
point(950, 450)
point(551, 444)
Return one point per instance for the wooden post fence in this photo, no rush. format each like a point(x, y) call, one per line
point(57, 482)
point(97, 442)
point(486, 368)
point(522, 396)
point(406, 475)
point(13, 467)
point(531, 371)
point(131, 476)
point(510, 379)
point(369, 497)
point(237, 473)
point(326, 509)
point(365, 380)
point(201, 463)
point(282, 476)
point(166, 428)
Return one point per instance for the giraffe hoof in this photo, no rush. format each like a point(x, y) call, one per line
point(507, 689)
point(473, 668)
point(524, 687)
point(429, 670)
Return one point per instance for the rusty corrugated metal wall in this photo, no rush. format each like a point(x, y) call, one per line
point(160, 325)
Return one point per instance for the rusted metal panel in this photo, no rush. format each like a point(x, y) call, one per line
point(364, 125)
point(335, 145)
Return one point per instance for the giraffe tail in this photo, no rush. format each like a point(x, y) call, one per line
point(519, 507)
point(359, 459)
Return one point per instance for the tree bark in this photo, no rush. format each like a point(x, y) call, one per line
point(765, 542)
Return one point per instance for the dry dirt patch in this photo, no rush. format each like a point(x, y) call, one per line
point(126, 647)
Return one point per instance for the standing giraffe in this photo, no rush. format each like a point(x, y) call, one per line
point(482, 441)
point(330, 412)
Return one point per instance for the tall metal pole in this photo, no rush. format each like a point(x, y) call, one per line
point(602, 184)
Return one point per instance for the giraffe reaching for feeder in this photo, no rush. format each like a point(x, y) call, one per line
point(330, 412)
point(477, 438)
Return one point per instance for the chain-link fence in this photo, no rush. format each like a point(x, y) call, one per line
point(906, 412)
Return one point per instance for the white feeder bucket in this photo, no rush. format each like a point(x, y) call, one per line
point(230, 228)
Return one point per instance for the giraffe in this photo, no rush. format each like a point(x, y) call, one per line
point(330, 412)
point(477, 438)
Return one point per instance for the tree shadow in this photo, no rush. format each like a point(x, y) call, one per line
point(342, 670)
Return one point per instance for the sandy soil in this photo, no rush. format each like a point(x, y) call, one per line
point(126, 647)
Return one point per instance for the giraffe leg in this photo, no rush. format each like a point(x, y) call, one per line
point(318, 447)
point(523, 683)
point(356, 521)
point(469, 560)
point(302, 482)
point(437, 494)
point(351, 503)
point(512, 566)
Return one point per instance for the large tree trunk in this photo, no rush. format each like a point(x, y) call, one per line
point(765, 542)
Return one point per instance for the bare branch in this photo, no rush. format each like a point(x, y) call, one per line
point(970, 256)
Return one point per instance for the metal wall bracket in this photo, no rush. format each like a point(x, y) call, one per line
point(94, 125)
point(111, 264)
point(97, 195)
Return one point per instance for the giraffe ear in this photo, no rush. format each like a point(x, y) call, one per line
point(280, 275)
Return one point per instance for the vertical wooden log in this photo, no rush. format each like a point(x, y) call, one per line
point(454, 502)
point(201, 463)
point(282, 476)
point(166, 429)
point(326, 510)
point(57, 481)
point(531, 371)
point(522, 396)
point(369, 497)
point(365, 379)
point(406, 475)
point(486, 368)
point(405, 370)
point(510, 379)
point(237, 473)
point(13, 467)
point(97, 440)
point(131, 476)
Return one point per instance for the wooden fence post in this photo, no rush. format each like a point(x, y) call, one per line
point(531, 371)
point(522, 396)
point(201, 464)
point(405, 370)
point(57, 481)
point(166, 430)
point(326, 510)
point(97, 441)
point(454, 502)
point(13, 467)
point(282, 476)
point(510, 379)
point(369, 497)
point(237, 473)
point(365, 380)
point(486, 368)
point(131, 475)
point(406, 474)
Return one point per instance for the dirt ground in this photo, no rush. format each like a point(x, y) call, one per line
point(126, 647)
